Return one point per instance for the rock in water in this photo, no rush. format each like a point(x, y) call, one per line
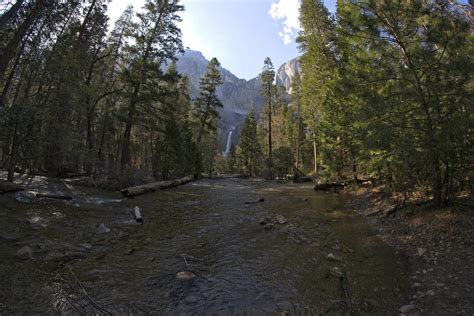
point(335, 272)
point(185, 276)
point(268, 226)
point(280, 219)
point(406, 308)
point(103, 228)
point(265, 220)
point(25, 253)
point(334, 257)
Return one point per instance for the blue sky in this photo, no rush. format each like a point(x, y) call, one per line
point(239, 33)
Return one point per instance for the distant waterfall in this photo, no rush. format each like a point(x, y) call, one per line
point(229, 141)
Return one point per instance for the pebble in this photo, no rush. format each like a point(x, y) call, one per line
point(185, 275)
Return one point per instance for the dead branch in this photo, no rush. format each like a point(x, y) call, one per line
point(97, 306)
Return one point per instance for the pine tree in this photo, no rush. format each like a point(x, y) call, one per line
point(407, 72)
point(249, 148)
point(318, 66)
point(156, 38)
point(207, 104)
point(267, 90)
point(296, 101)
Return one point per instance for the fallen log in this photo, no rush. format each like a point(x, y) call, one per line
point(54, 196)
point(328, 186)
point(137, 214)
point(153, 187)
point(6, 186)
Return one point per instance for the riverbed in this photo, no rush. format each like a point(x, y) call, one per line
point(89, 255)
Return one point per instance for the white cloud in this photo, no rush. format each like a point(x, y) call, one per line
point(288, 11)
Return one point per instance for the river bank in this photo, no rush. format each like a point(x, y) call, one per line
point(438, 244)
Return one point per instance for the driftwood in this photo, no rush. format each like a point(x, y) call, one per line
point(260, 200)
point(6, 186)
point(54, 196)
point(155, 186)
point(329, 186)
point(347, 292)
point(96, 306)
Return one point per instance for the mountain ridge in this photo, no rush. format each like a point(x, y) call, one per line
point(239, 96)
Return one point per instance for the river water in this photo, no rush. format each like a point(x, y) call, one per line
point(90, 256)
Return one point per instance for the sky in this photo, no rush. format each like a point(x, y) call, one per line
point(239, 33)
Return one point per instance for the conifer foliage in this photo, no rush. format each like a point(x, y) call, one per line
point(76, 98)
point(389, 88)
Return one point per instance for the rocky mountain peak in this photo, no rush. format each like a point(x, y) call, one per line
point(287, 72)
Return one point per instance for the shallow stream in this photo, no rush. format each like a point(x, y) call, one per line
point(89, 256)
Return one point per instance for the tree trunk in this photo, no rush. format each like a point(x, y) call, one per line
point(298, 134)
point(270, 158)
point(89, 163)
point(125, 157)
point(14, 137)
point(12, 162)
point(315, 155)
point(437, 186)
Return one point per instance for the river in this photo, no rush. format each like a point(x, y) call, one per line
point(90, 256)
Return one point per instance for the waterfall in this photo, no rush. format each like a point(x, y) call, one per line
point(229, 141)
